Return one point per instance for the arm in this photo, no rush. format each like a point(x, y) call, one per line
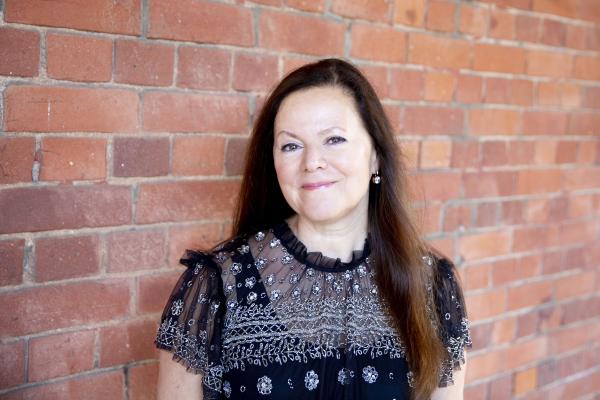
point(174, 382)
point(455, 391)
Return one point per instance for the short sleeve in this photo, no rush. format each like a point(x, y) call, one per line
point(452, 317)
point(191, 322)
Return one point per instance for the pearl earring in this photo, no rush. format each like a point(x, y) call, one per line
point(375, 178)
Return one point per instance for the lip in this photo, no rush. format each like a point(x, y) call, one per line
point(316, 185)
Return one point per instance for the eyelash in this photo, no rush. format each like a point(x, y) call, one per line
point(338, 139)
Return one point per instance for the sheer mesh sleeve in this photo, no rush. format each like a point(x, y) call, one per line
point(190, 325)
point(452, 317)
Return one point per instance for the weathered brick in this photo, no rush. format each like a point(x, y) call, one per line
point(286, 32)
point(221, 23)
point(12, 364)
point(183, 112)
point(509, 91)
point(135, 250)
point(68, 109)
point(488, 121)
point(42, 308)
point(66, 257)
point(79, 58)
point(59, 355)
point(142, 63)
point(407, 84)
point(377, 43)
point(142, 382)
point(16, 159)
point(438, 52)
point(545, 63)
point(154, 291)
point(203, 68)
point(440, 16)
point(101, 15)
point(184, 201)
point(587, 67)
point(19, 52)
point(440, 86)
point(69, 159)
point(140, 157)
point(544, 123)
point(473, 20)
point(64, 207)
point(433, 121)
point(127, 343)
point(374, 10)
point(199, 155)
point(410, 12)
point(254, 72)
point(554, 32)
point(492, 57)
point(502, 24)
point(488, 184)
point(11, 266)
point(482, 245)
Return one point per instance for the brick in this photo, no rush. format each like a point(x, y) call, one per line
point(588, 152)
point(567, 339)
point(476, 277)
point(488, 121)
point(170, 112)
point(545, 151)
point(373, 10)
point(203, 68)
point(565, 95)
point(142, 382)
point(377, 43)
point(79, 58)
point(483, 245)
point(11, 266)
point(42, 308)
point(529, 295)
point(528, 324)
point(554, 33)
point(509, 91)
point(588, 11)
point(407, 84)
point(101, 386)
point(185, 201)
point(68, 109)
point(587, 67)
point(523, 353)
point(488, 184)
point(126, 343)
point(480, 335)
point(255, 72)
point(378, 78)
point(154, 291)
point(544, 123)
point(491, 57)
point(512, 212)
point(199, 155)
point(538, 181)
point(513, 270)
point(545, 63)
point(410, 12)
point(485, 364)
point(438, 52)
point(393, 114)
point(501, 388)
point(583, 123)
point(440, 16)
point(235, 155)
point(458, 217)
point(135, 250)
point(144, 63)
point(576, 37)
point(591, 98)
point(19, 52)
point(59, 355)
point(469, 89)
point(287, 32)
point(527, 28)
point(440, 86)
point(12, 364)
point(99, 16)
point(66, 257)
point(16, 159)
point(64, 207)
point(140, 157)
point(70, 159)
point(473, 20)
point(486, 214)
point(221, 23)
point(522, 4)
point(436, 153)
point(504, 330)
point(494, 153)
point(525, 381)
point(565, 8)
point(592, 38)
point(580, 310)
point(307, 5)
point(438, 185)
point(197, 236)
point(433, 121)
point(502, 24)
point(486, 304)
point(474, 392)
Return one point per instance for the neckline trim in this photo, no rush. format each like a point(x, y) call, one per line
point(316, 259)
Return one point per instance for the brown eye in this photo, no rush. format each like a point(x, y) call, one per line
point(335, 139)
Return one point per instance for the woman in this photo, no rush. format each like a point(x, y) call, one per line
point(326, 290)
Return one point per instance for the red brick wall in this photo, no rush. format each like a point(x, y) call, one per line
point(123, 129)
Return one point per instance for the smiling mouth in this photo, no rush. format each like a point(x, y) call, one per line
point(317, 185)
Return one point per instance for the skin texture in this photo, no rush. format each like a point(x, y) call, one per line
point(319, 137)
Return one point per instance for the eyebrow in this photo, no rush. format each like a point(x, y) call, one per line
point(319, 133)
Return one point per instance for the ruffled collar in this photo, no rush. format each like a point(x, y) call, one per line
point(316, 259)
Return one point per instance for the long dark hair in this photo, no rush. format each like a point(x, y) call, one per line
point(396, 246)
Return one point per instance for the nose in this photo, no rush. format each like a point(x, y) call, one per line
point(313, 159)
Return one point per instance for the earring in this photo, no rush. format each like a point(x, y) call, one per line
point(375, 178)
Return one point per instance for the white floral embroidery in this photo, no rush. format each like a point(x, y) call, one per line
point(370, 374)
point(311, 380)
point(264, 385)
point(345, 376)
point(227, 389)
point(177, 307)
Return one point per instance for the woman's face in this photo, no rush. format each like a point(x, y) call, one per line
point(323, 155)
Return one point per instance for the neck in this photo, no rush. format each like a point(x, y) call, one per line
point(333, 239)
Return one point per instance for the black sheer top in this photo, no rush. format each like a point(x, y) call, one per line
point(261, 317)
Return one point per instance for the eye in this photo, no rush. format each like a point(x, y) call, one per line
point(335, 139)
point(289, 147)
